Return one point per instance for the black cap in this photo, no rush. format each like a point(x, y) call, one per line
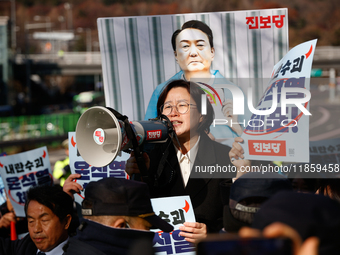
point(251, 185)
point(121, 197)
point(309, 214)
point(256, 185)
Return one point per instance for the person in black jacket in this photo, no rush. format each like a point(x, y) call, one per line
point(184, 166)
point(117, 215)
point(49, 213)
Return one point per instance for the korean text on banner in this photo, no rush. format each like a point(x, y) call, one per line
point(175, 211)
point(138, 57)
point(22, 171)
point(91, 173)
point(279, 126)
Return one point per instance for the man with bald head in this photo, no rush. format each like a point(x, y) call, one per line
point(117, 214)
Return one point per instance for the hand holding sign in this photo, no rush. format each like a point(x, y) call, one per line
point(71, 186)
point(236, 156)
point(6, 219)
point(193, 231)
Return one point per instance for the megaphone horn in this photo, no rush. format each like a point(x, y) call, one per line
point(100, 135)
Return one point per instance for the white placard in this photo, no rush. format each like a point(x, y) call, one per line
point(21, 171)
point(176, 211)
point(283, 133)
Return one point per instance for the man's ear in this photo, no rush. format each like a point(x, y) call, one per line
point(119, 223)
point(68, 219)
point(175, 53)
point(212, 53)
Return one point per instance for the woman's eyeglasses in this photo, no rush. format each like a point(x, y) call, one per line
point(181, 107)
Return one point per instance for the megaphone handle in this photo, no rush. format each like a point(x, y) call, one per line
point(132, 137)
point(138, 154)
point(143, 176)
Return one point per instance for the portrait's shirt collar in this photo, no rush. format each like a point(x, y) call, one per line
point(210, 82)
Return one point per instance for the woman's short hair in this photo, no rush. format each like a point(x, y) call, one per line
point(196, 93)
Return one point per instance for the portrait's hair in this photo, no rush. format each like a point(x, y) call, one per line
point(53, 197)
point(196, 93)
point(196, 24)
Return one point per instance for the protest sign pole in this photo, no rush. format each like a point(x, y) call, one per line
point(14, 235)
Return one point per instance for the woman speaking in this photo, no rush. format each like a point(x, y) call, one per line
point(171, 165)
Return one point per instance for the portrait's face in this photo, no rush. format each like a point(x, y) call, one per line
point(193, 52)
point(44, 226)
point(187, 123)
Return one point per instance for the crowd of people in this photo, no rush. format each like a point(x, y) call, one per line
point(117, 215)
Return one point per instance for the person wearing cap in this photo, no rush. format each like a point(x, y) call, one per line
point(307, 214)
point(246, 196)
point(117, 213)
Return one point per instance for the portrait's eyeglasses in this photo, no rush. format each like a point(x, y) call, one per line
point(181, 107)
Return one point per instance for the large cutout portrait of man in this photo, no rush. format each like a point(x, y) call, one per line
point(194, 51)
point(140, 55)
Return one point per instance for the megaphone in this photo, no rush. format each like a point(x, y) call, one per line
point(102, 132)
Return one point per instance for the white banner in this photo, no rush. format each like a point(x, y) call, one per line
point(137, 53)
point(91, 173)
point(22, 171)
point(176, 211)
point(279, 127)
